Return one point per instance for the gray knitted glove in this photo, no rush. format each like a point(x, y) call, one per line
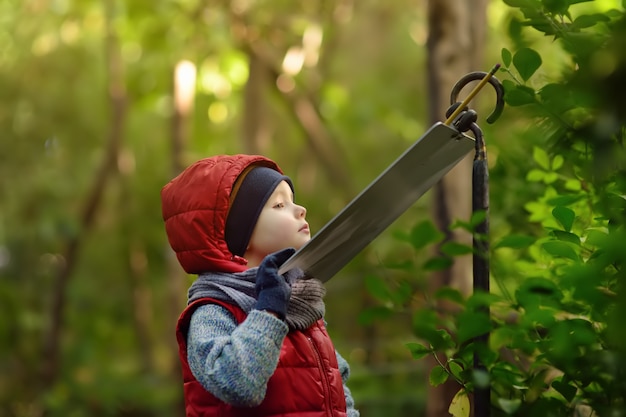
point(273, 290)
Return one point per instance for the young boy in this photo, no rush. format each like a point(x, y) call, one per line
point(251, 342)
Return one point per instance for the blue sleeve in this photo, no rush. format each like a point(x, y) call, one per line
point(344, 369)
point(234, 362)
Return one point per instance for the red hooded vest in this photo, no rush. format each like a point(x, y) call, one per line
point(307, 381)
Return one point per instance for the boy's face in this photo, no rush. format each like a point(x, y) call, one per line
point(281, 224)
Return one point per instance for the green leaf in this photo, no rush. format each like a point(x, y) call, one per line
point(586, 42)
point(460, 404)
point(580, 331)
point(443, 340)
point(456, 369)
point(537, 315)
point(472, 324)
point(518, 3)
point(567, 335)
point(541, 157)
point(538, 291)
point(423, 234)
point(548, 407)
point(573, 184)
point(509, 406)
point(418, 351)
point(542, 23)
point(501, 337)
point(515, 242)
point(438, 376)
point(527, 61)
point(596, 237)
point(560, 249)
point(506, 57)
point(589, 20)
point(557, 162)
point(455, 249)
point(478, 217)
point(557, 97)
point(600, 258)
point(556, 6)
point(565, 216)
point(437, 263)
point(517, 95)
point(535, 175)
point(566, 390)
point(460, 224)
point(550, 177)
point(565, 200)
point(566, 236)
point(425, 327)
point(480, 299)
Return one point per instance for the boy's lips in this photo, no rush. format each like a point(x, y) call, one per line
point(304, 228)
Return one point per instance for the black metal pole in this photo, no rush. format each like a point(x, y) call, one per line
point(466, 120)
point(480, 202)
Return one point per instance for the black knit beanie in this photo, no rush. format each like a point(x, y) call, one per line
point(251, 191)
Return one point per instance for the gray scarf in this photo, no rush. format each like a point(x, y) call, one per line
point(306, 304)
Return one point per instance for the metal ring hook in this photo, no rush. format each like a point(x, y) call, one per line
point(475, 76)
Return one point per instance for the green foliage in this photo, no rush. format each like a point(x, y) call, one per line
point(526, 61)
point(555, 344)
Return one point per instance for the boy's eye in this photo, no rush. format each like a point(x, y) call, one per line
point(279, 205)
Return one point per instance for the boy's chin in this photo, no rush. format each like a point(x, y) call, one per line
point(299, 246)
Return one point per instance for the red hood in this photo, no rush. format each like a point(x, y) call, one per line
point(195, 206)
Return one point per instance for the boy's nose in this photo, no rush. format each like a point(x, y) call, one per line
point(301, 211)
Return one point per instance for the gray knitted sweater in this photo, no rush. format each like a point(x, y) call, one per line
point(234, 361)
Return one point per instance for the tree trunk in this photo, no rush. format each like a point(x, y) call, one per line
point(456, 34)
point(256, 129)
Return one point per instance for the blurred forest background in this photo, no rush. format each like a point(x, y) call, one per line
point(103, 102)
